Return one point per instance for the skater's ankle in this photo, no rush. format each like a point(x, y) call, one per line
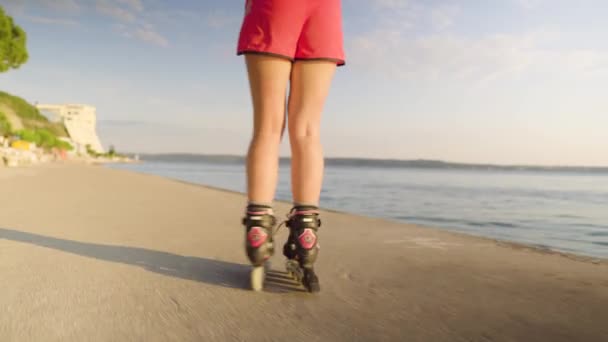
point(304, 206)
point(259, 207)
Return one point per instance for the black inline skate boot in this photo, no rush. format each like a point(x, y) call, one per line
point(302, 246)
point(259, 223)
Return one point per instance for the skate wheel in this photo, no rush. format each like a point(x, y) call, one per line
point(294, 270)
point(311, 281)
point(257, 278)
point(289, 269)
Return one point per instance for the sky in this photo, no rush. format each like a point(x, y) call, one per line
point(502, 81)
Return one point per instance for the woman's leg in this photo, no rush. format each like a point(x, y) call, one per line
point(268, 79)
point(310, 84)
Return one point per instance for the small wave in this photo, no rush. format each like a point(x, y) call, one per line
point(503, 224)
point(600, 243)
point(458, 221)
point(435, 221)
point(569, 216)
point(492, 223)
point(425, 218)
point(600, 234)
point(591, 225)
point(541, 246)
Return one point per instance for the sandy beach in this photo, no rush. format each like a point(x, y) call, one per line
point(93, 254)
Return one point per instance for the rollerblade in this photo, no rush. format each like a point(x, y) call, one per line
point(259, 224)
point(302, 246)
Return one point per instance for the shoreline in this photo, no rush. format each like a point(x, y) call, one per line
point(506, 242)
point(423, 164)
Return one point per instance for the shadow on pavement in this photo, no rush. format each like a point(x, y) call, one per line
point(209, 271)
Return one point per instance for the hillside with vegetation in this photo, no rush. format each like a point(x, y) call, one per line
point(20, 118)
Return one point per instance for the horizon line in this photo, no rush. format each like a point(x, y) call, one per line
point(439, 161)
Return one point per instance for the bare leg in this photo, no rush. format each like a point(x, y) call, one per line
point(268, 79)
point(310, 84)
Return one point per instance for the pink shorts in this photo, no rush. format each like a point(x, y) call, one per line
point(293, 29)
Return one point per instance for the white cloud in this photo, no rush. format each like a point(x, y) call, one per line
point(452, 57)
point(405, 52)
point(115, 10)
point(133, 21)
point(144, 32)
point(52, 21)
point(69, 6)
point(149, 35)
point(136, 5)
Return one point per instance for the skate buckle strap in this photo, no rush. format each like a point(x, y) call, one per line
point(304, 212)
point(308, 217)
point(259, 218)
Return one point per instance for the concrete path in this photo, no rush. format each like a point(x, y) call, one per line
point(93, 254)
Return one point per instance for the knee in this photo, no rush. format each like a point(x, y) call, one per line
point(269, 131)
point(304, 130)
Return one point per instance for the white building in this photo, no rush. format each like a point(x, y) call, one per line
point(80, 122)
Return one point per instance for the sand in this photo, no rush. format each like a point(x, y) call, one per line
point(93, 254)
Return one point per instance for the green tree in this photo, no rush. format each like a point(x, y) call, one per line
point(13, 50)
point(91, 151)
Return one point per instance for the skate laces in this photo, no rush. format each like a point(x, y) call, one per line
point(283, 223)
point(293, 213)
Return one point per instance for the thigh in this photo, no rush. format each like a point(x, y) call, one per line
point(268, 80)
point(310, 84)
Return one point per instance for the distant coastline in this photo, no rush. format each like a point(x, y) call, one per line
point(365, 162)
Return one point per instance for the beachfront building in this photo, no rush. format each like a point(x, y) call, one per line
point(80, 122)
